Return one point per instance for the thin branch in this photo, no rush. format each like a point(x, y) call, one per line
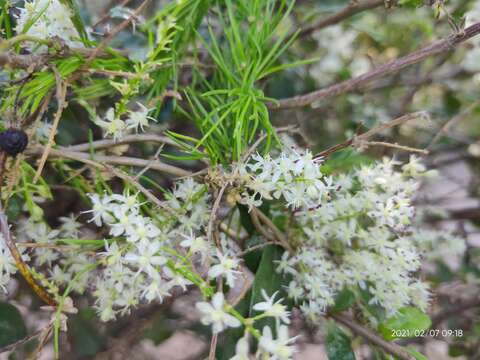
point(353, 8)
point(213, 347)
point(32, 336)
point(128, 139)
point(257, 217)
point(20, 264)
point(213, 213)
point(102, 165)
point(140, 188)
point(389, 347)
point(34, 62)
point(258, 226)
point(389, 68)
point(232, 233)
point(116, 30)
point(393, 146)
point(106, 14)
point(453, 121)
point(358, 140)
point(114, 160)
point(61, 104)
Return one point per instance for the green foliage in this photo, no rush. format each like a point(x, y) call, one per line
point(344, 300)
point(338, 344)
point(12, 326)
point(407, 323)
point(415, 353)
point(411, 3)
point(187, 16)
point(232, 110)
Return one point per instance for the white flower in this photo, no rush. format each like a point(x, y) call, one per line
point(146, 257)
point(196, 245)
point(414, 167)
point(124, 222)
point(139, 119)
point(214, 314)
point(175, 279)
point(101, 209)
point(141, 229)
point(70, 226)
point(111, 124)
point(52, 19)
point(271, 308)
point(226, 267)
point(156, 289)
point(242, 349)
point(280, 348)
point(113, 253)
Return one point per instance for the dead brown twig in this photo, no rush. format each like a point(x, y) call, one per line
point(26, 339)
point(20, 264)
point(353, 8)
point(389, 68)
point(453, 121)
point(259, 218)
point(110, 159)
point(362, 139)
point(115, 31)
point(127, 139)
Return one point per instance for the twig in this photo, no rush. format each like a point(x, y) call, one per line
point(389, 347)
point(102, 164)
point(358, 140)
point(254, 247)
point(139, 187)
point(20, 264)
point(106, 15)
point(454, 120)
point(61, 103)
point(24, 340)
point(232, 233)
point(213, 213)
point(258, 226)
point(353, 8)
point(149, 165)
point(116, 160)
point(213, 347)
point(257, 217)
point(389, 68)
point(115, 31)
point(34, 62)
point(394, 146)
point(128, 139)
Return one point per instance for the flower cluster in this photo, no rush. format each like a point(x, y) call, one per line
point(351, 230)
point(135, 266)
point(115, 127)
point(141, 260)
point(294, 176)
point(220, 316)
point(52, 19)
point(63, 263)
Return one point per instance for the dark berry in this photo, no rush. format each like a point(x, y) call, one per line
point(13, 141)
